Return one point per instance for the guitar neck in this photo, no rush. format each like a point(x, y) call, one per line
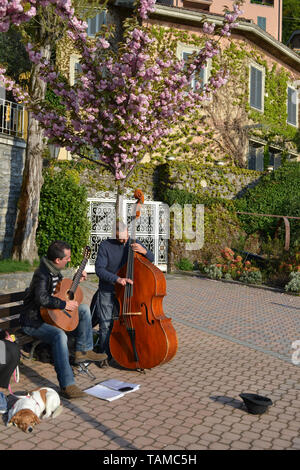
point(78, 275)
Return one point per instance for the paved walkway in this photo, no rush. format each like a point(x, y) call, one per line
point(232, 339)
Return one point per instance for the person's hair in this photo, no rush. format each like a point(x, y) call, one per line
point(56, 250)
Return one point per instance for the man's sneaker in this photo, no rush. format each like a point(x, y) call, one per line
point(89, 356)
point(72, 391)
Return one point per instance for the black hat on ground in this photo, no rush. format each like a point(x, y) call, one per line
point(256, 404)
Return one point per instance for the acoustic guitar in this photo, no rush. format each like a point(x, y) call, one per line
point(66, 290)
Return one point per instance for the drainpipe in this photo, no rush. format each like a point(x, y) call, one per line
point(279, 19)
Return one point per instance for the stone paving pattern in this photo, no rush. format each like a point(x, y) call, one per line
point(232, 339)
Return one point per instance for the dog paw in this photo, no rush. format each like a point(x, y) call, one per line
point(57, 412)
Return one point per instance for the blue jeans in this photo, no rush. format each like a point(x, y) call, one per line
point(58, 340)
point(107, 312)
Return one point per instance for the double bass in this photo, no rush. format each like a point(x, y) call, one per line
point(142, 337)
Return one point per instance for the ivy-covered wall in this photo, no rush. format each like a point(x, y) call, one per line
point(223, 128)
point(153, 180)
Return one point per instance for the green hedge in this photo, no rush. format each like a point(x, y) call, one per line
point(277, 193)
point(63, 213)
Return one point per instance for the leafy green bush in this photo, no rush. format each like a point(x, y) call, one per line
point(251, 277)
point(277, 193)
point(185, 265)
point(63, 213)
point(213, 272)
point(294, 283)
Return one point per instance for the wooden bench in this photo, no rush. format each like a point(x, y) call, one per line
point(10, 319)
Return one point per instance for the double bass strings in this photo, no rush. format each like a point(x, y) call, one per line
point(128, 291)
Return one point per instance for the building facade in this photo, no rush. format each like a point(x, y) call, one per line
point(267, 14)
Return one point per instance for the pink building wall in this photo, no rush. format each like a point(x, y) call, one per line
point(273, 14)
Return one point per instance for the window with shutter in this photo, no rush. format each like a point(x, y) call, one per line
point(255, 156)
point(262, 22)
point(275, 159)
point(75, 68)
point(292, 106)
point(94, 24)
point(256, 88)
point(77, 71)
point(198, 77)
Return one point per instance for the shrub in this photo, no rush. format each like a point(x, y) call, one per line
point(251, 277)
point(63, 213)
point(294, 283)
point(230, 267)
point(213, 272)
point(277, 193)
point(185, 265)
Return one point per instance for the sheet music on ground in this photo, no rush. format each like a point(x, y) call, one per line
point(111, 389)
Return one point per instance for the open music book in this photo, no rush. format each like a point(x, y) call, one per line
point(111, 389)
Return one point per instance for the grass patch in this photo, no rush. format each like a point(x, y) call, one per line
point(11, 266)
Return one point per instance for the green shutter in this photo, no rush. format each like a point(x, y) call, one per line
point(256, 82)
point(262, 22)
point(292, 106)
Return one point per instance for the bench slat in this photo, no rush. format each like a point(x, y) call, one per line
point(8, 311)
point(12, 297)
point(9, 324)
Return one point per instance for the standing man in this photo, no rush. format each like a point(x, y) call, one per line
point(40, 294)
point(112, 255)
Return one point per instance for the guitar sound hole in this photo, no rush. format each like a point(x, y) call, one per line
point(70, 295)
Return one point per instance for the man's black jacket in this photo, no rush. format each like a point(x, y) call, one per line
point(39, 294)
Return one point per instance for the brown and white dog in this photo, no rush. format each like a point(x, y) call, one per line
point(27, 411)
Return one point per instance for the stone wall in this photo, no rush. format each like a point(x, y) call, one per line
point(153, 180)
point(12, 155)
point(19, 281)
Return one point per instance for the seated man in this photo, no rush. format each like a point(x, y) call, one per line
point(40, 294)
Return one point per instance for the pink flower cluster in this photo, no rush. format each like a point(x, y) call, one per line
point(20, 11)
point(145, 7)
point(14, 12)
point(209, 28)
point(230, 20)
point(20, 94)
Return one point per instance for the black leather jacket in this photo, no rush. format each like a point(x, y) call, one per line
point(39, 294)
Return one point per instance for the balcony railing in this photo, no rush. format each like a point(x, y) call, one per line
point(12, 117)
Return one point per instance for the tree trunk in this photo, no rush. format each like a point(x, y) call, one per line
point(119, 201)
point(24, 244)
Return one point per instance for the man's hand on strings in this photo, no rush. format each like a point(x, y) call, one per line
point(138, 248)
point(124, 280)
point(83, 276)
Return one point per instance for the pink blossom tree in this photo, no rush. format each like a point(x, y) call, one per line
point(42, 23)
point(127, 99)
